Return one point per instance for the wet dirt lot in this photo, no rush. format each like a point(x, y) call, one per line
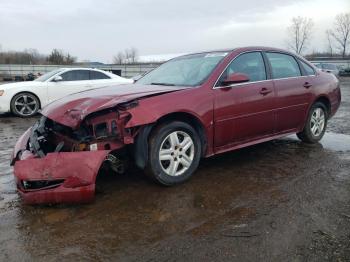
point(278, 201)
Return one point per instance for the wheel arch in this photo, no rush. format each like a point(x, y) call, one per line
point(326, 101)
point(26, 92)
point(140, 147)
point(190, 119)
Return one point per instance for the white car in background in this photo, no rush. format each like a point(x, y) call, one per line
point(24, 99)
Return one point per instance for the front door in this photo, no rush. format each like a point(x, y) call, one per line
point(73, 81)
point(244, 112)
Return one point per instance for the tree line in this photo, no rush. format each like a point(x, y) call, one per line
point(337, 37)
point(33, 57)
point(128, 56)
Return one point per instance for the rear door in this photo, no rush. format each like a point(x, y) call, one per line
point(292, 91)
point(73, 81)
point(244, 112)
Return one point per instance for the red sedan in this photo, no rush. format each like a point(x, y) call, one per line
point(190, 107)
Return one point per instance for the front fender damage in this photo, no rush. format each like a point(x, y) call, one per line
point(65, 177)
point(54, 163)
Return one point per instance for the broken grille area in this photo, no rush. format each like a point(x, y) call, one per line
point(48, 136)
point(41, 184)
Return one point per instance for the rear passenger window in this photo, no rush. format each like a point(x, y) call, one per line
point(94, 75)
point(308, 69)
point(283, 65)
point(251, 64)
point(75, 75)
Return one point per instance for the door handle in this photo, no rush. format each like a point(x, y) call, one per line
point(264, 91)
point(307, 85)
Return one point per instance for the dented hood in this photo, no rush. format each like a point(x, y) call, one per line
point(72, 109)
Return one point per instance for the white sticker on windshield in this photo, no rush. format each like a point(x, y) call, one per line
point(215, 54)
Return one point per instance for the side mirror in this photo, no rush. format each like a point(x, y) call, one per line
point(235, 78)
point(57, 79)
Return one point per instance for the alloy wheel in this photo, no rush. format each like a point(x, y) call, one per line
point(317, 122)
point(176, 153)
point(26, 105)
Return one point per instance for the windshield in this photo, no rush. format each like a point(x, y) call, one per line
point(190, 70)
point(48, 75)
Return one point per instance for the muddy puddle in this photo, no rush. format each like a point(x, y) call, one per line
point(331, 141)
point(130, 211)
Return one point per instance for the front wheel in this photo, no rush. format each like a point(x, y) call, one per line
point(25, 105)
point(316, 124)
point(175, 151)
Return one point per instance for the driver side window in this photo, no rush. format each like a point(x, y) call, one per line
point(250, 64)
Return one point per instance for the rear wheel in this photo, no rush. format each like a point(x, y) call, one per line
point(25, 105)
point(316, 124)
point(175, 151)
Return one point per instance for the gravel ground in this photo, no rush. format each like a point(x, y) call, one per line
point(278, 201)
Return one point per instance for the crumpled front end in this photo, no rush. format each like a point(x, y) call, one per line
point(54, 163)
point(66, 177)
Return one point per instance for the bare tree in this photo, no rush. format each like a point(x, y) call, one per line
point(57, 57)
point(126, 56)
point(341, 31)
point(33, 56)
point(299, 33)
point(68, 59)
point(119, 58)
point(133, 53)
point(129, 56)
point(329, 42)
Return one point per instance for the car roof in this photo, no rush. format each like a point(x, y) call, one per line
point(244, 49)
point(80, 68)
point(110, 74)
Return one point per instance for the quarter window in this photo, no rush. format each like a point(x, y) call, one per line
point(76, 75)
point(283, 65)
point(251, 64)
point(308, 69)
point(95, 75)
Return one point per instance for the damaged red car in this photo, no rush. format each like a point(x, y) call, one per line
point(189, 108)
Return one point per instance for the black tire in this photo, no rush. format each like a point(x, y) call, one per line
point(307, 134)
point(25, 105)
point(160, 138)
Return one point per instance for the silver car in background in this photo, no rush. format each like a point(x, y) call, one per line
point(329, 68)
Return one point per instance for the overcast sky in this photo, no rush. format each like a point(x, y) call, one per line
point(96, 30)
